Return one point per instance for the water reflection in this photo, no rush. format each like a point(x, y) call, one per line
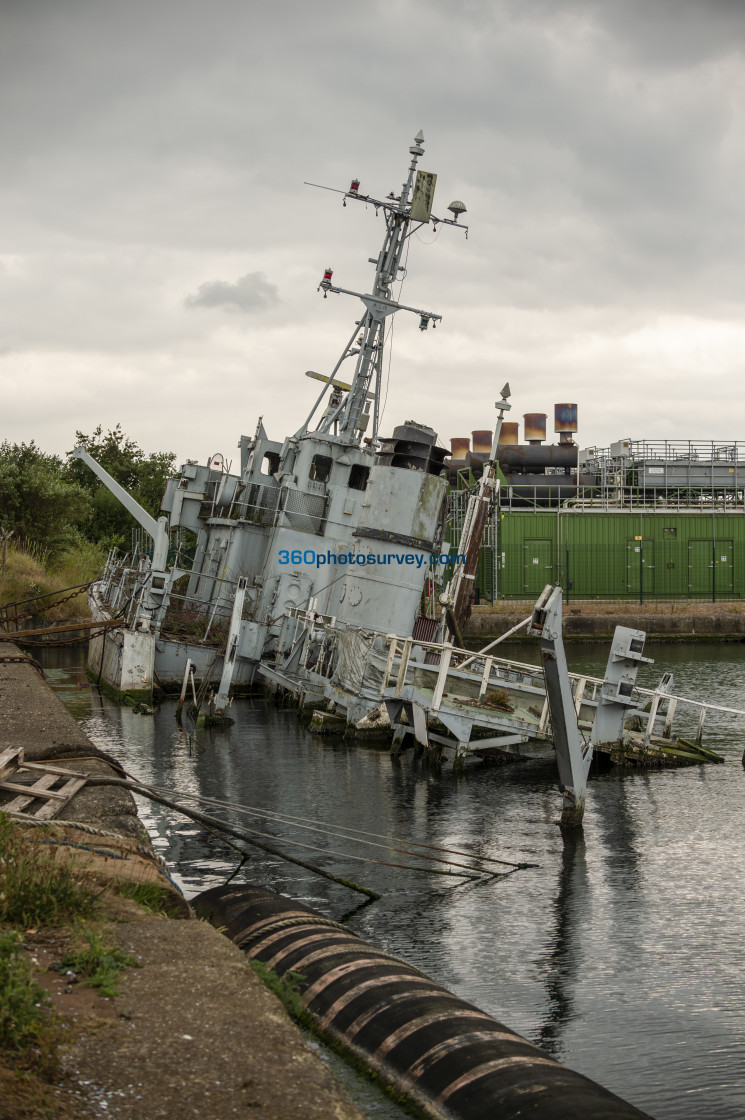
point(563, 952)
point(617, 953)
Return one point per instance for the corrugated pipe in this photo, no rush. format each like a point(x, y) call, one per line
point(452, 1061)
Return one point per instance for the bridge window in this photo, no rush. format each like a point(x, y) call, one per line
point(320, 468)
point(358, 477)
point(270, 463)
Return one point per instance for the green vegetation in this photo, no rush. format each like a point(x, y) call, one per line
point(37, 892)
point(58, 521)
point(34, 889)
point(151, 897)
point(22, 1001)
point(286, 988)
point(29, 571)
point(497, 698)
point(39, 503)
point(143, 476)
point(98, 963)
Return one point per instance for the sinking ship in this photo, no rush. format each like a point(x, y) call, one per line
point(322, 568)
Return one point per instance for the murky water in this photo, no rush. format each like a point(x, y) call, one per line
point(620, 954)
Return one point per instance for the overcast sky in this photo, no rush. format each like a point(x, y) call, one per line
point(160, 254)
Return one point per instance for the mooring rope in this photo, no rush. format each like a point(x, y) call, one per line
point(221, 827)
point(358, 835)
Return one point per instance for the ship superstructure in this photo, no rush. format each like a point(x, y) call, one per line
point(332, 516)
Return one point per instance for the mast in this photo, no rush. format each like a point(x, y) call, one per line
point(355, 408)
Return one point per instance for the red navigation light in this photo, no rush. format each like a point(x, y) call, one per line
point(355, 186)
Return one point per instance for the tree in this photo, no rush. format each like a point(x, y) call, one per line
point(38, 503)
point(143, 476)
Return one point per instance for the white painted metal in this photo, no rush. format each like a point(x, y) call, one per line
point(572, 756)
point(231, 648)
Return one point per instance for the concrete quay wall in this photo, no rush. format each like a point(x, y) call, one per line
point(596, 621)
point(194, 1032)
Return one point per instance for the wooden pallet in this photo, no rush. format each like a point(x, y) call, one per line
point(54, 787)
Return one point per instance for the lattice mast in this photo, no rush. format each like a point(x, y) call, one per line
point(355, 407)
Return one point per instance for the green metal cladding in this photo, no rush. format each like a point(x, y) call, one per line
point(623, 555)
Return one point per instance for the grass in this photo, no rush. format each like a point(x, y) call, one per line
point(99, 964)
point(38, 892)
point(35, 890)
point(30, 571)
point(22, 1001)
point(286, 988)
point(152, 898)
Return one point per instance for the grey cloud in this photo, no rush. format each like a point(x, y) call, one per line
point(252, 292)
point(598, 145)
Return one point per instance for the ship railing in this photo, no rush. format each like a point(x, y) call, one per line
point(501, 672)
point(399, 660)
point(265, 505)
point(258, 503)
point(192, 619)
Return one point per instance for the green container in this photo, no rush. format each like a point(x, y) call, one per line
point(597, 554)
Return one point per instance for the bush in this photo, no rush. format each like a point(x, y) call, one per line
point(37, 503)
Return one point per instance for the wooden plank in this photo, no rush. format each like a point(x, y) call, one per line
point(32, 792)
point(83, 624)
point(10, 759)
point(51, 809)
point(37, 789)
point(53, 769)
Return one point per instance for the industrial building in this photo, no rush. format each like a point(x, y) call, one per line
point(641, 519)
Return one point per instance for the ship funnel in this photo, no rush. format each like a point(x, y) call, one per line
point(565, 421)
point(535, 427)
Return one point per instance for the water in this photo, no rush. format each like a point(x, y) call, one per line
point(620, 954)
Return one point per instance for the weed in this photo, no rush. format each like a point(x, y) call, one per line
point(35, 890)
point(497, 698)
point(99, 964)
point(30, 571)
point(286, 988)
point(151, 897)
point(22, 1001)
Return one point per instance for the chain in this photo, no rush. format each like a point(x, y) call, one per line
point(19, 659)
point(30, 613)
point(65, 641)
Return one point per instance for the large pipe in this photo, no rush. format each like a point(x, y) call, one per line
point(535, 457)
point(449, 1059)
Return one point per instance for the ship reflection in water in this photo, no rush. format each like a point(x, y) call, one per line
point(620, 953)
